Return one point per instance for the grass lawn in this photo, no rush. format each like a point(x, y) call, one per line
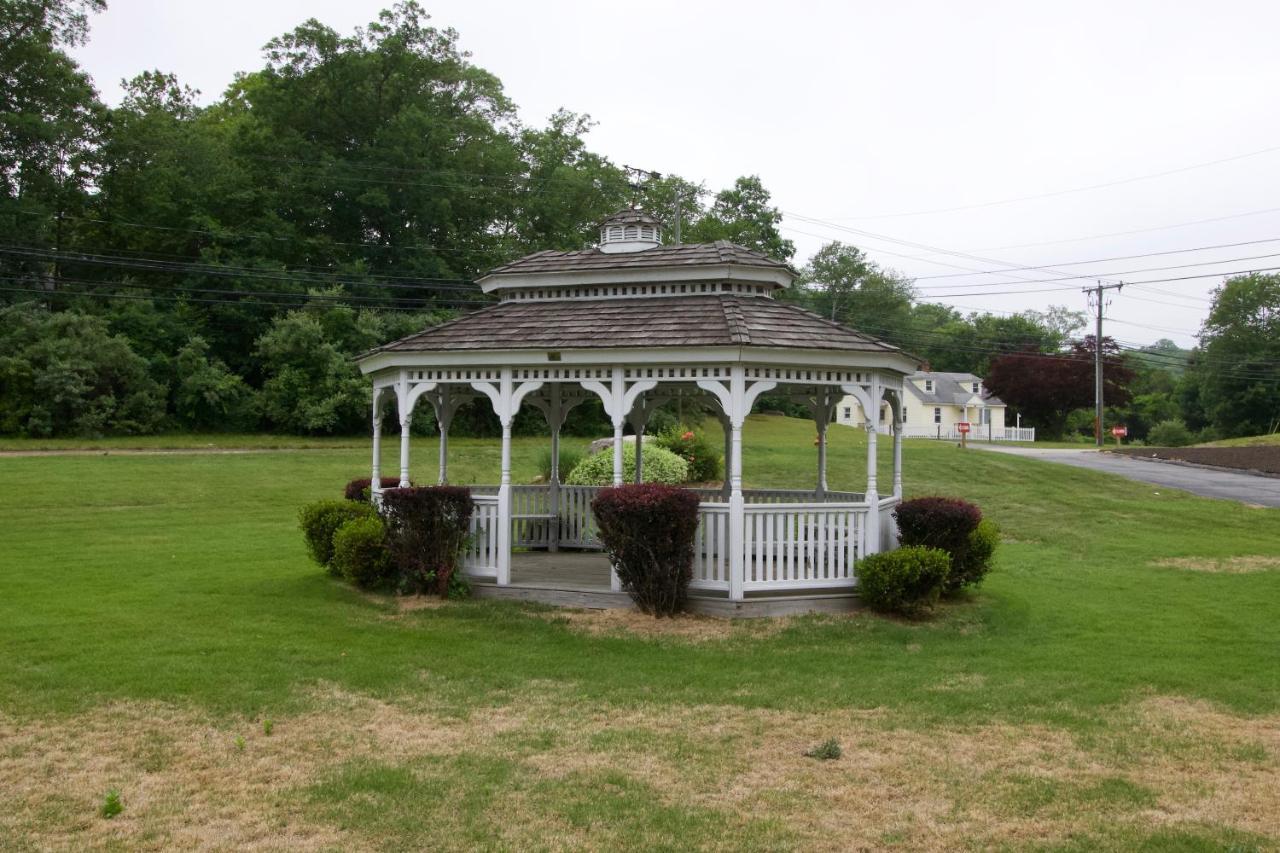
point(1114, 685)
point(1247, 441)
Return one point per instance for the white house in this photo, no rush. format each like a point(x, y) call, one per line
point(933, 405)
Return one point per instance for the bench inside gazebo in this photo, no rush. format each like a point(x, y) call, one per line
point(639, 324)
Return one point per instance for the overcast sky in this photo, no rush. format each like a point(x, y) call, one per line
point(930, 123)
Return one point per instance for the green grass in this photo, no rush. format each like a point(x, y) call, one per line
point(169, 559)
point(183, 580)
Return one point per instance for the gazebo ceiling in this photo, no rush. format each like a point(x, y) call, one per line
point(701, 320)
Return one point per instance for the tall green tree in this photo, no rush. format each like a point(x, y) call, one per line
point(1238, 366)
point(744, 214)
point(50, 121)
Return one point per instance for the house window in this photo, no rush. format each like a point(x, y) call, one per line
point(928, 385)
point(848, 413)
point(937, 414)
point(975, 387)
point(984, 416)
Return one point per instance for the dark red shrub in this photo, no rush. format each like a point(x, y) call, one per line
point(427, 528)
point(358, 489)
point(648, 531)
point(937, 522)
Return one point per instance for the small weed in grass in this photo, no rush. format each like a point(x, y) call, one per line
point(111, 806)
point(239, 743)
point(828, 750)
point(267, 726)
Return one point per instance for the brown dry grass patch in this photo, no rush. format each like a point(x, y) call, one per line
point(187, 784)
point(688, 627)
point(1241, 565)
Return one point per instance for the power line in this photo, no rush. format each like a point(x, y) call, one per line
point(1072, 191)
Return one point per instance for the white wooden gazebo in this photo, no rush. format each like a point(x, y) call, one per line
point(638, 324)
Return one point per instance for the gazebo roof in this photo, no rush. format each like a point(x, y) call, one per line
point(677, 321)
point(680, 255)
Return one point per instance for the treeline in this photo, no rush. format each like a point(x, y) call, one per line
point(166, 265)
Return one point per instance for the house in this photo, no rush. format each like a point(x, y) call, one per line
point(933, 405)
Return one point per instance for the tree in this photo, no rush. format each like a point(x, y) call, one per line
point(208, 396)
point(1046, 388)
point(50, 120)
point(64, 373)
point(1238, 366)
point(744, 215)
point(846, 286)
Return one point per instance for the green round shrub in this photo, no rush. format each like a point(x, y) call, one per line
point(907, 581)
point(321, 519)
point(660, 466)
point(1171, 433)
point(970, 564)
point(360, 552)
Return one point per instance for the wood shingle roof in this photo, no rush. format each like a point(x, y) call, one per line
point(719, 253)
point(682, 321)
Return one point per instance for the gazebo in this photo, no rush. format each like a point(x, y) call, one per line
point(639, 324)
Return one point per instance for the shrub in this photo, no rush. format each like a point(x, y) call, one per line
point(358, 489)
point(321, 519)
point(569, 459)
point(937, 522)
point(660, 466)
point(648, 533)
point(360, 552)
point(701, 455)
point(907, 581)
point(970, 564)
point(427, 529)
point(1170, 433)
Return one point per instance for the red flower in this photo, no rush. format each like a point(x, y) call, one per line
point(688, 436)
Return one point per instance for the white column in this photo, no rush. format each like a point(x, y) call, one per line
point(406, 420)
point(897, 461)
point(506, 415)
point(822, 418)
point(555, 420)
point(737, 503)
point(443, 417)
point(727, 426)
point(375, 480)
point(619, 421)
point(872, 496)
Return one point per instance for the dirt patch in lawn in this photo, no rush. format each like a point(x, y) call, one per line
point(685, 626)
point(1260, 458)
point(1224, 565)
point(189, 782)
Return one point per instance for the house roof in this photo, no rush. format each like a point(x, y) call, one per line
point(949, 389)
point(680, 255)
point(683, 321)
point(631, 216)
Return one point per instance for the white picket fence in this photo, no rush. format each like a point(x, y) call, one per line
point(791, 540)
point(977, 432)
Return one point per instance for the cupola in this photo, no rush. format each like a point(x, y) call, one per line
point(630, 230)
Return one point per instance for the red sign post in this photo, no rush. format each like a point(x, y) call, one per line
point(1119, 431)
point(963, 428)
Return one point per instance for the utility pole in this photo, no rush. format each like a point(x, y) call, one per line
point(679, 204)
point(1095, 294)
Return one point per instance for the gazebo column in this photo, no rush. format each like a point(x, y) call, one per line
point(821, 407)
point(555, 408)
point(639, 419)
point(618, 400)
point(375, 479)
point(728, 452)
point(505, 397)
point(736, 402)
point(406, 421)
point(872, 492)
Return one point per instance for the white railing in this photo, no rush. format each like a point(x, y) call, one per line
point(711, 547)
point(481, 557)
point(803, 545)
point(788, 543)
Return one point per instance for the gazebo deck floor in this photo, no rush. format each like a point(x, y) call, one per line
point(581, 579)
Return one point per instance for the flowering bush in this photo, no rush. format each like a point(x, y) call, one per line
point(427, 529)
point(358, 489)
point(660, 466)
point(701, 455)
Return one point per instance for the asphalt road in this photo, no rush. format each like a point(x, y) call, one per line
point(1209, 482)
